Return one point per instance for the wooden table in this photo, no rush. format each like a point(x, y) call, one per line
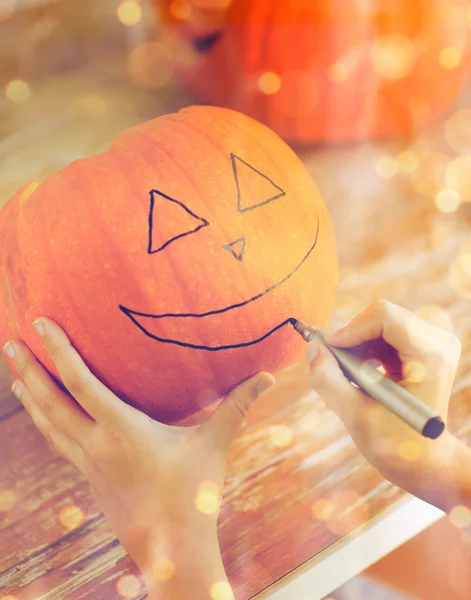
point(293, 454)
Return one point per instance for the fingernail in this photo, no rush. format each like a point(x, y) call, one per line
point(264, 385)
point(312, 352)
point(39, 326)
point(9, 349)
point(16, 389)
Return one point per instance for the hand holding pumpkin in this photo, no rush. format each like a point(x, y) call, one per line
point(159, 486)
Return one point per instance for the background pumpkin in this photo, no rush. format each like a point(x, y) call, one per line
point(105, 245)
point(336, 70)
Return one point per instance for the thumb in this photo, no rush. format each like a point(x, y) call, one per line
point(327, 379)
point(232, 411)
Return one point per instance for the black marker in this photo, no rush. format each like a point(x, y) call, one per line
point(387, 392)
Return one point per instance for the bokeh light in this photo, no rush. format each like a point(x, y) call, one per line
point(429, 177)
point(414, 371)
point(460, 516)
point(150, 65)
point(221, 590)
point(458, 131)
point(447, 201)
point(458, 177)
point(71, 517)
point(350, 511)
point(128, 586)
point(7, 8)
point(269, 83)
point(164, 569)
point(9, 597)
point(407, 161)
point(338, 72)
point(460, 272)
point(281, 436)
point(450, 57)
point(348, 305)
point(7, 500)
point(442, 231)
point(409, 450)
point(436, 316)
point(323, 509)
point(129, 12)
point(386, 167)
point(181, 49)
point(208, 498)
point(18, 91)
point(392, 56)
point(92, 104)
point(180, 9)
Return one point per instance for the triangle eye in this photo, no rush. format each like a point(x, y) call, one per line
point(254, 189)
point(170, 220)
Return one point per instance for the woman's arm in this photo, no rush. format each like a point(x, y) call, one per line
point(424, 359)
point(158, 486)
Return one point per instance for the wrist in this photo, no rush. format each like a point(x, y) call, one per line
point(443, 479)
point(178, 557)
point(458, 481)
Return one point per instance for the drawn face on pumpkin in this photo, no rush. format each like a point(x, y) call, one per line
point(164, 232)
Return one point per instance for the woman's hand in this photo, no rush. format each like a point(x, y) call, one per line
point(424, 359)
point(159, 486)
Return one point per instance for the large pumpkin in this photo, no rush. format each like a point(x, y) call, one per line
point(335, 70)
point(173, 260)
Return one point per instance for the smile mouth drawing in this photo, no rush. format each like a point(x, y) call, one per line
point(151, 324)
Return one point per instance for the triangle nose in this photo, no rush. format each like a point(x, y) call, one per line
point(237, 248)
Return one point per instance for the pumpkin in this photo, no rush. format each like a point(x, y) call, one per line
point(331, 71)
point(173, 260)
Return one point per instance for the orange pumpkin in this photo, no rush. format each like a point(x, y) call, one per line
point(336, 70)
point(173, 260)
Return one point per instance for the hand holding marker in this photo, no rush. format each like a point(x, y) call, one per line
point(387, 392)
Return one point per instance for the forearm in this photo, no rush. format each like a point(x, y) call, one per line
point(185, 566)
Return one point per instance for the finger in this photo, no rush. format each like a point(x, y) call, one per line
point(99, 402)
point(231, 413)
point(398, 327)
point(63, 444)
point(333, 387)
point(380, 352)
point(61, 410)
